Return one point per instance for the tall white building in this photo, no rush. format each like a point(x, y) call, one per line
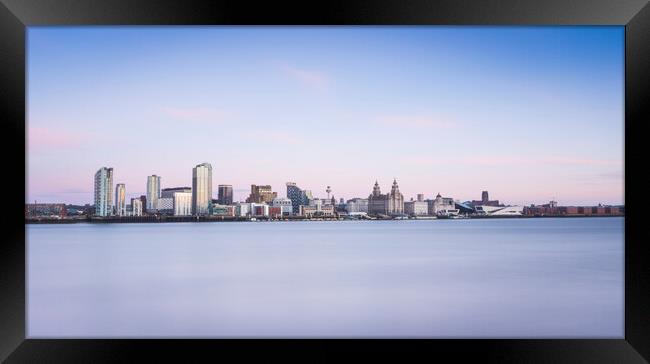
point(182, 203)
point(104, 191)
point(201, 189)
point(153, 192)
point(136, 207)
point(120, 199)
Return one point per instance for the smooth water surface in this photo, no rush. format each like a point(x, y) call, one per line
point(545, 277)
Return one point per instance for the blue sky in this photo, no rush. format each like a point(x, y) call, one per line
point(528, 113)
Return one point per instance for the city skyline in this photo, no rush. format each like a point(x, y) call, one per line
point(262, 194)
point(531, 114)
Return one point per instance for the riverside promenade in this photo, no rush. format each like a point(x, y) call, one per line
point(166, 218)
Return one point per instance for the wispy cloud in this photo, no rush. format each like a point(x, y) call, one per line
point(313, 79)
point(195, 114)
point(39, 138)
point(417, 121)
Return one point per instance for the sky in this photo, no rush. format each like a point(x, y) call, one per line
point(530, 114)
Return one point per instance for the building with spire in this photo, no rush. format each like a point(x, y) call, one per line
point(388, 204)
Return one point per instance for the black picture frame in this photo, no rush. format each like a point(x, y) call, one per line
point(16, 15)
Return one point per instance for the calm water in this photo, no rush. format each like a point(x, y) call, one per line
point(448, 278)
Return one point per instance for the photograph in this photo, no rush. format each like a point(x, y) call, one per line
point(385, 181)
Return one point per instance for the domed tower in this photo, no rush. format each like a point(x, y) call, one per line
point(395, 189)
point(396, 199)
point(375, 190)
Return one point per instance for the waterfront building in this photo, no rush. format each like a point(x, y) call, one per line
point(298, 196)
point(322, 202)
point(224, 194)
point(251, 209)
point(88, 209)
point(464, 208)
point(242, 209)
point(182, 203)
point(72, 210)
point(104, 191)
point(261, 194)
point(333, 201)
point(169, 192)
point(552, 209)
point(201, 189)
point(143, 201)
point(317, 209)
point(222, 210)
point(275, 212)
point(485, 200)
point(441, 205)
point(341, 207)
point(388, 204)
point(45, 210)
point(294, 193)
point(259, 209)
point(317, 202)
point(153, 192)
point(120, 199)
point(285, 205)
point(136, 207)
point(416, 208)
point(165, 205)
point(357, 205)
point(499, 210)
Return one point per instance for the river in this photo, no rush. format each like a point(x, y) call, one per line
point(477, 278)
